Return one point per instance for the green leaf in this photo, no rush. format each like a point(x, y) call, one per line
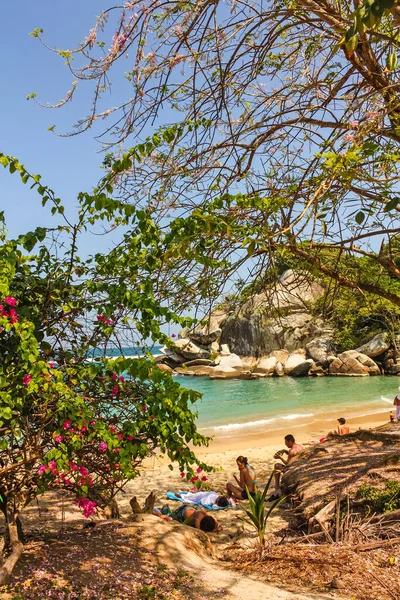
point(360, 217)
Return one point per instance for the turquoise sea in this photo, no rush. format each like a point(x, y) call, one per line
point(234, 406)
point(238, 406)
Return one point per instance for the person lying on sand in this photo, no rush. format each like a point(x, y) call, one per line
point(247, 478)
point(281, 468)
point(206, 499)
point(188, 515)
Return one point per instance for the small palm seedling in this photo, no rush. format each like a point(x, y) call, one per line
point(257, 515)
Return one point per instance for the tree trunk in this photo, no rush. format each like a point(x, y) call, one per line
point(15, 545)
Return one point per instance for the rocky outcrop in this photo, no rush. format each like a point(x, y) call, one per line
point(189, 350)
point(297, 366)
point(319, 349)
point(375, 347)
point(353, 364)
point(210, 329)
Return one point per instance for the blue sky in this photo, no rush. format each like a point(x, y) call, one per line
point(67, 165)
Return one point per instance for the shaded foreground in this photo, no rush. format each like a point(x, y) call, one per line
point(151, 558)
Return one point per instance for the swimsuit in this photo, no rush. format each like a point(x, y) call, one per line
point(244, 492)
point(179, 514)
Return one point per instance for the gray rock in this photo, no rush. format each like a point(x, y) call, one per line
point(353, 364)
point(378, 345)
point(280, 355)
point(279, 369)
point(266, 366)
point(172, 355)
point(297, 366)
point(189, 350)
point(205, 362)
point(209, 330)
point(319, 349)
point(232, 361)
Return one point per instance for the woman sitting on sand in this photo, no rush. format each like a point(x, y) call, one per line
point(247, 480)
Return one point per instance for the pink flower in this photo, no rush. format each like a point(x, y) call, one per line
point(83, 471)
point(199, 470)
point(349, 137)
point(42, 469)
point(26, 379)
point(113, 429)
point(353, 124)
point(193, 489)
point(114, 391)
point(193, 479)
point(117, 450)
point(67, 481)
point(102, 446)
point(182, 474)
point(116, 466)
point(84, 429)
point(144, 409)
point(87, 506)
point(152, 417)
point(58, 439)
point(114, 377)
point(67, 424)
point(52, 365)
point(10, 301)
point(73, 467)
point(204, 478)
point(130, 437)
point(120, 436)
point(121, 378)
point(13, 316)
point(92, 423)
point(173, 335)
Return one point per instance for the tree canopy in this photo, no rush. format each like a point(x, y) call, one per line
point(261, 129)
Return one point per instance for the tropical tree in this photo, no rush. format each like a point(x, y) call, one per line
point(71, 417)
point(282, 138)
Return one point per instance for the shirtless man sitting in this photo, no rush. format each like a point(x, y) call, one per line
point(280, 468)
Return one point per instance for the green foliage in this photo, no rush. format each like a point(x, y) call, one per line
point(68, 421)
point(257, 515)
point(382, 500)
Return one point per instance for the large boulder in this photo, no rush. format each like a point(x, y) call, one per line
point(297, 366)
point(280, 355)
point(378, 345)
point(171, 355)
point(209, 330)
point(295, 290)
point(266, 366)
point(319, 349)
point(260, 334)
point(232, 361)
point(353, 364)
point(227, 373)
point(189, 350)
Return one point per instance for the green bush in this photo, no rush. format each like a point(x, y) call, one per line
point(382, 499)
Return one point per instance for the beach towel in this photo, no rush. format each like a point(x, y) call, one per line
point(205, 499)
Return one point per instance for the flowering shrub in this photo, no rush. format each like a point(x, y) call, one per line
point(66, 421)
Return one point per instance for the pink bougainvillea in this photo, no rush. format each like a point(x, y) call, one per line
point(10, 301)
point(87, 506)
point(26, 379)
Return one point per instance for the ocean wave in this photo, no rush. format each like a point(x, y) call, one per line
point(261, 422)
point(231, 426)
point(388, 400)
point(294, 416)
